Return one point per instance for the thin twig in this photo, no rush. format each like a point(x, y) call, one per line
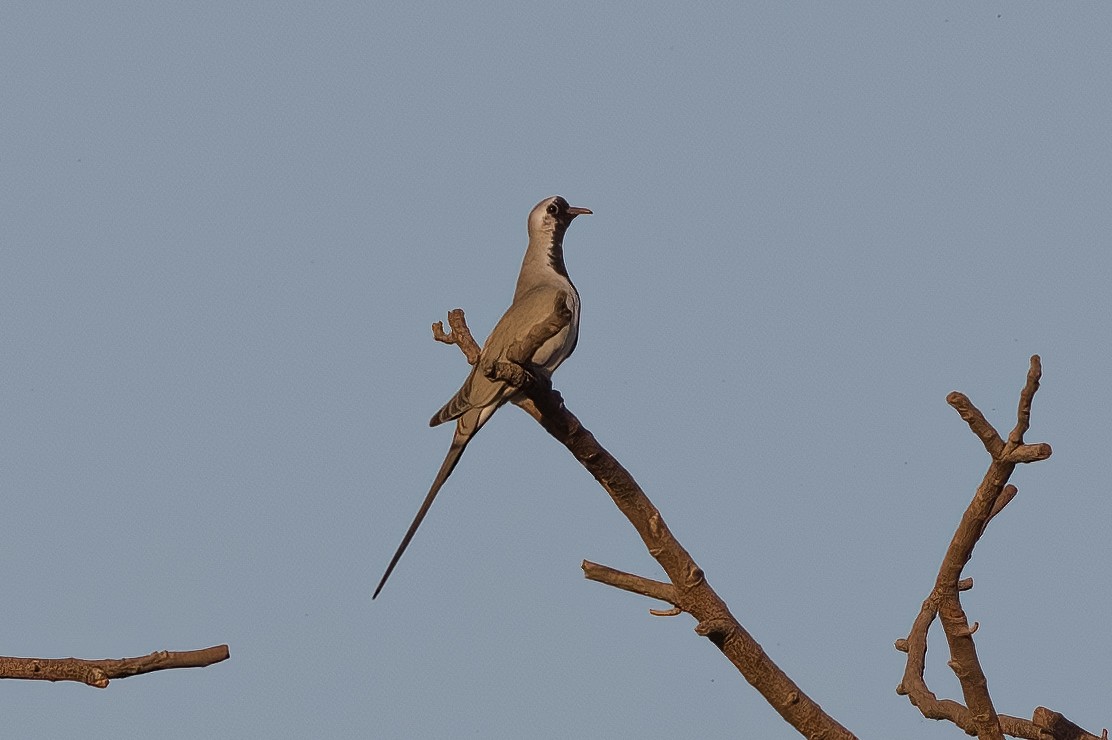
point(460, 336)
point(97, 673)
point(629, 582)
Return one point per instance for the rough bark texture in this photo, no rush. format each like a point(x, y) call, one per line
point(97, 673)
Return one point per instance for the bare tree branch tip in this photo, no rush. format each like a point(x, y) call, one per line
point(1027, 453)
point(630, 582)
point(96, 673)
point(460, 335)
point(673, 612)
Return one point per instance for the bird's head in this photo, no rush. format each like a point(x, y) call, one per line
point(552, 216)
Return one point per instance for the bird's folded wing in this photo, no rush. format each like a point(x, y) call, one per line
point(478, 391)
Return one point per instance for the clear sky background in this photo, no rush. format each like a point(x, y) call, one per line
point(225, 230)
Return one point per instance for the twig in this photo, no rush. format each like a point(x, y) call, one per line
point(629, 582)
point(460, 335)
point(98, 672)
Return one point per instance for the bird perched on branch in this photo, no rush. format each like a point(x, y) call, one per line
point(543, 279)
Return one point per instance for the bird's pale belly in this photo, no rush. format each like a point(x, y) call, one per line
point(557, 349)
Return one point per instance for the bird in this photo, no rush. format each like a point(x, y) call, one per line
point(543, 277)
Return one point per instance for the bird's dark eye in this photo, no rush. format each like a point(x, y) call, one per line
point(552, 209)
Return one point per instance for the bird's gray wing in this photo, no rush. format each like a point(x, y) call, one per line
point(477, 392)
point(527, 310)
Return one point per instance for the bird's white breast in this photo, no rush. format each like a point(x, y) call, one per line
point(557, 348)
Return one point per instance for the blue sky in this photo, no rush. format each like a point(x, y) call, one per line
point(227, 228)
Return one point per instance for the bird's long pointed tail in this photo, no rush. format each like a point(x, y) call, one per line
point(459, 442)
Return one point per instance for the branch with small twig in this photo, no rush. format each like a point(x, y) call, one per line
point(688, 590)
point(978, 716)
point(97, 673)
point(460, 336)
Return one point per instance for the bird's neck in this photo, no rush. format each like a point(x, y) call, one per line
point(544, 263)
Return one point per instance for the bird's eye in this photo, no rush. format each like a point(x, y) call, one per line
point(552, 209)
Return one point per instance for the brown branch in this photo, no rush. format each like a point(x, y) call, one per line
point(98, 672)
point(1059, 727)
point(629, 582)
point(977, 422)
point(1002, 500)
point(460, 335)
point(691, 593)
point(978, 716)
point(1023, 415)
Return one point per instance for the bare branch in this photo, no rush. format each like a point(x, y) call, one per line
point(460, 335)
point(1002, 500)
point(978, 716)
point(1024, 453)
point(629, 582)
point(977, 422)
point(691, 593)
point(97, 673)
point(1059, 727)
point(1023, 416)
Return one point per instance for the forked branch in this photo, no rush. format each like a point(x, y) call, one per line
point(977, 716)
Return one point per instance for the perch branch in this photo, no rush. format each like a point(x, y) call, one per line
point(691, 592)
point(97, 673)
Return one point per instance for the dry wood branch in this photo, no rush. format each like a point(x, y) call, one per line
point(629, 582)
point(1023, 415)
point(460, 335)
point(1059, 727)
point(977, 422)
point(692, 593)
point(1003, 500)
point(97, 673)
point(978, 716)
